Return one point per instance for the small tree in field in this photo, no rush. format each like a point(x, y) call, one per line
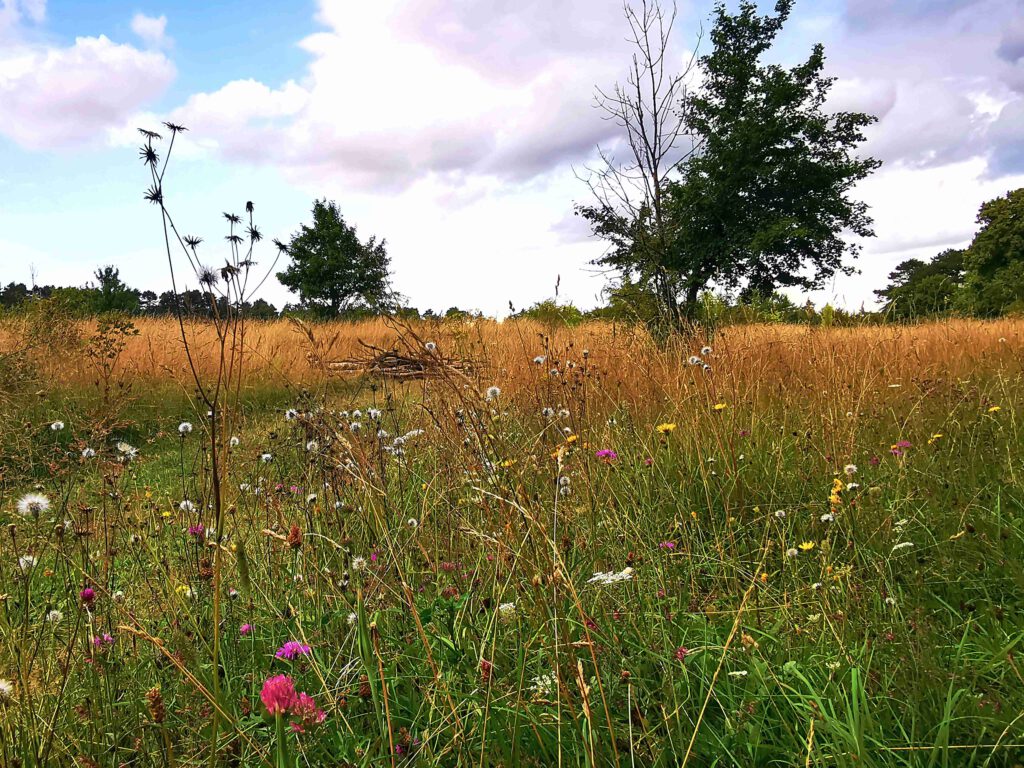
point(331, 269)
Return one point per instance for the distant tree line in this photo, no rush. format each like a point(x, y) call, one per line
point(110, 294)
point(986, 279)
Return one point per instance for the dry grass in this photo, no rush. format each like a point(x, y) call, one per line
point(752, 362)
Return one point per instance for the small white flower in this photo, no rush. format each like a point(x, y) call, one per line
point(54, 617)
point(373, 414)
point(430, 346)
point(57, 426)
point(781, 514)
point(547, 413)
point(611, 577)
point(545, 685)
point(852, 486)
point(413, 523)
point(310, 498)
point(234, 441)
point(352, 619)
point(312, 446)
point(694, 360)
point(185, 428)
point(33, 505)
point(118, 596)
point(850, 469)
point(26, 563)
point(358, 563)
point(828, 517)
point(88, 453)
point(186, 506)
point(244, 487)
point(266, 458)
point(506, 612)
point(816, 586)
point(539, 360)
point(563, 413)
point(792, 552)
point(890, 600)
point(355, 426)
point(233, 594)
point(357, 414)
point(493, 393)
point(127, 450)
point(291, 414)
point(705, 351)
point(903, 545)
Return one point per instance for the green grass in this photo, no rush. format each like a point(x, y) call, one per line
point(718, 649)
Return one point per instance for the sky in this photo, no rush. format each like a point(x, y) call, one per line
point(454, 129)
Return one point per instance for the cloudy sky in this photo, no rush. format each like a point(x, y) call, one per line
point(453, 128)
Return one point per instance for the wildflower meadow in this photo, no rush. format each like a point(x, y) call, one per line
point(776, 545)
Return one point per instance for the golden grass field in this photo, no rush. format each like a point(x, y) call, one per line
point(750, 360)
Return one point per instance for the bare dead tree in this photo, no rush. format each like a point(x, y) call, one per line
point(629, 191)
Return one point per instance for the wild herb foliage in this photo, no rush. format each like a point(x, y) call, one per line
point(799, 551)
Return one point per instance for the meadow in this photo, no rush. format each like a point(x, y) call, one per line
point(775, 545)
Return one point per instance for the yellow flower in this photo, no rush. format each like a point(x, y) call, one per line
point(667, 428)
point(933, 438)
point(720, 406)
point(994, 409)
point(807, 546)
point(571, 439)
point(166, 514)
point(508, 463)
point(764, 577)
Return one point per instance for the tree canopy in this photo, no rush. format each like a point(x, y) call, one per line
point(331, 269)
point(764, 201)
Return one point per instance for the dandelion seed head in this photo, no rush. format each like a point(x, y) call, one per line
point(33, 505)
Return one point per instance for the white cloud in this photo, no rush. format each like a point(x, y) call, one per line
point(59, 97)
point(397, 92)
point(13, 12)
point(152, 30)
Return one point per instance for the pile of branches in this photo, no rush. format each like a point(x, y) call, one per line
point(392, 364)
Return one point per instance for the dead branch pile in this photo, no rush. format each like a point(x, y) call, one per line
point(390, 363)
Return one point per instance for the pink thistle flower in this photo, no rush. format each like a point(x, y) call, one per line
point(607, 455)
point(292, 649)
point(667, 545)
point(88, 596)
point(278, 694)
point(245, 629)
point(682, 652)
point(196, 530)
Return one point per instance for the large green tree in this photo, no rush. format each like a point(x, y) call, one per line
point(331, 269)
point(766, 202)
point(994, 262)
point(765, 198)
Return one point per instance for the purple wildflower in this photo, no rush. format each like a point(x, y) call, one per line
point(292, 649)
